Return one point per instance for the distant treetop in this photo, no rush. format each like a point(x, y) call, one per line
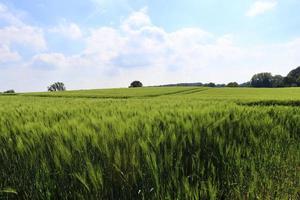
point(267, 80)
point(233, 84)
point(210, 84)
point(9, 92)
point(262, 80)
point(293, 78)
point(295, 72)
point(58, 86)
point(136, 84)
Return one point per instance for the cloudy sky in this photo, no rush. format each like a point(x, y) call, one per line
point(109, 43)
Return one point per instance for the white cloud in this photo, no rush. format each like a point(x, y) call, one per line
point(48, 60)
point(25, 35)
point(137, 49)
point(136, 21)
point(68, 30)
point(261, 7)
point(15, 31)
point(6, 55)
point(104, 43)
point(9, 17)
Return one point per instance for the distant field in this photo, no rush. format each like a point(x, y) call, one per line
point(151, 143)
point(194, 92)
point(121, 92)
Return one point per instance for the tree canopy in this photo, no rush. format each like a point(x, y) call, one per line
point(9, 91)
point(277, 81)
point(293, 78)
point(233, 84)
point(211, 84)
point(58, 86)
point(136, 84)
point(262, 80)
point(266, 79)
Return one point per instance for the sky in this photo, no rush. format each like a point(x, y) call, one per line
point(91, 44)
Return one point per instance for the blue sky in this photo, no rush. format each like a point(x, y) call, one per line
point(102, 43)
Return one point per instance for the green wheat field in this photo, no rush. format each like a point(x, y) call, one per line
point(151, 143)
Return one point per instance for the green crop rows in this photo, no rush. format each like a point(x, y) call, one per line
point(151, 143)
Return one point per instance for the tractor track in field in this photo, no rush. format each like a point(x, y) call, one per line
point(190, 91)
point(195, 91)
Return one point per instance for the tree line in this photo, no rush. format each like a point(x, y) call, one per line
point(268, 80)
point(260, 80)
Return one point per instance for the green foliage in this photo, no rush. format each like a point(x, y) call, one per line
point(210, 85)
point(295, 73)
point(160, 143)
point(233, 84)
point(266, 80)
point(293, 78)
point(246, 84)
point(58, 86)
point(9, 92)
point(262, 80)
point(135, 84)
point(277, 81)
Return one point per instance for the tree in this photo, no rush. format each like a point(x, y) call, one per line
point(58, 86)
point(277, 81)
point(262, 80)
point(221, 85)
point(210, 84)
point(136, 84)
point(294, 73)
point(246, 84)
point(298, 81)
point(9, 92)
point(233, 84)
point(293, 78)
point(289, 81)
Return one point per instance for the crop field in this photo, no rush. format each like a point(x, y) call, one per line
point(151, 143)
point(121, 92)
